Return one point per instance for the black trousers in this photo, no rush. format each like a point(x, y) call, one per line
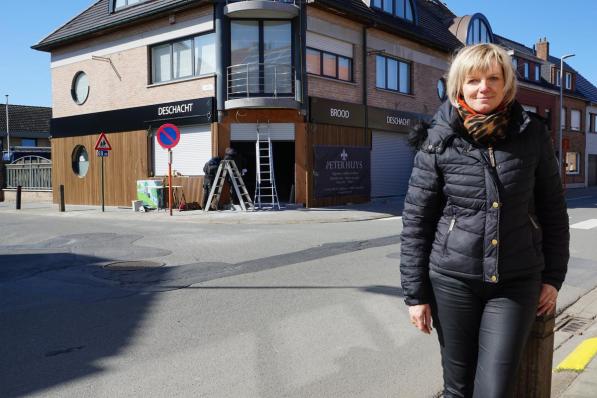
point(482, 331)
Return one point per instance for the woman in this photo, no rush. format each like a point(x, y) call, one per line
point(484, 246)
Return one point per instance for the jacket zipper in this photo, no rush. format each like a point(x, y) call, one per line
point(450, 228)
point(535, 225)
point(492, 157)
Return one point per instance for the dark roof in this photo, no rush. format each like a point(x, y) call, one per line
point(586, 88)
point(97, 18)
point(432, 28)
point(519, 47)
point(26, 120)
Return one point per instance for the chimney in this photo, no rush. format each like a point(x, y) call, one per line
point(542, 49)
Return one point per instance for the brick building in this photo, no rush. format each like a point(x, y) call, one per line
point(335, 84)
point(589, 91)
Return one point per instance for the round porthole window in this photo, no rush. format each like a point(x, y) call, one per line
point(80, 161)
point(80, 88)
point(441, 89)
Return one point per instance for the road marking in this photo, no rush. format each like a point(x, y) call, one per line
point(581, 197)
point(578, 359)
point(390, 218)
point(588, 224)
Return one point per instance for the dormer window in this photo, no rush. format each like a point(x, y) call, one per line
point(118, 4)
point(399, 8)
point(526, 71)
point(537, 73)
point(568, 81)
point(478, 31)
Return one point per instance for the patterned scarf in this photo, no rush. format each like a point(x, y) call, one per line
point(485, 129)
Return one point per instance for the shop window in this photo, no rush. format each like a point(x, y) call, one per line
point(398, 8)
point(572, 163)
point(80, 88)
point(329, 64)
point(441, 89)
point(80, 161)
point(575, 117)
point(393, 74)
point(194, 56)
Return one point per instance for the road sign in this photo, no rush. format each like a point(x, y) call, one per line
point(102, 143)
point(103, 153)
point(168, 135)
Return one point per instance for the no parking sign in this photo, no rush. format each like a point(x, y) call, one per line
point(168, 136)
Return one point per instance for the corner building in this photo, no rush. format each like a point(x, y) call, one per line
point(335, 84)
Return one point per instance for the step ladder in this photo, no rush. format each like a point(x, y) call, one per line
point(266, 195)
point(228, 168)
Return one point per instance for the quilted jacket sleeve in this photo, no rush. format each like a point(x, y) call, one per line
point(422, 209)
point(550, 206)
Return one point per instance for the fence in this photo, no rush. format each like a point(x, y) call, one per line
point(30, 172)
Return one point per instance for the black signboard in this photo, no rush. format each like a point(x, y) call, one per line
point(392, 120)
point(336, 112)
point(194, 111)
point(341, 171)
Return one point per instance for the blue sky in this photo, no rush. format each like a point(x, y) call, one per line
point(25, 73)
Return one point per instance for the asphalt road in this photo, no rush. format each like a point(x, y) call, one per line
point(94, 307)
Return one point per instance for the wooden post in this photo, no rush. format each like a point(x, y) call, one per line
point(534, 373)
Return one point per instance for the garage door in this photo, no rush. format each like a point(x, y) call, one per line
point(189, 156)
point(391, 164)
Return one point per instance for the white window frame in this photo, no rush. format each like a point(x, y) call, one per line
point(194, 64)
point(568, 81)
point(557, 79)
point(576, 168)
point(575, 119)
point(526, 70)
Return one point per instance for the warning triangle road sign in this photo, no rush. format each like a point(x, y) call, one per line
point(102, 143)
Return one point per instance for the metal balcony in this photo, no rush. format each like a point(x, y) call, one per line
point(276, 9)
point(258, 85)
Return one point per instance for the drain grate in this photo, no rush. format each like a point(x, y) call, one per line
point(132, 265)
point(574, 325)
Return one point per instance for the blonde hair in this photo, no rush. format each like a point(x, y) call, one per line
point(480, 58)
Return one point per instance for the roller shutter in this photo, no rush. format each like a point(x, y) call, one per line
point(391, 164)
point(189, 156)
point(248, 131)
point(326, 43)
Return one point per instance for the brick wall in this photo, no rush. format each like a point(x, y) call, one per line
point(107, 91)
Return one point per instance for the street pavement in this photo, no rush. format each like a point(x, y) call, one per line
point(296, 303)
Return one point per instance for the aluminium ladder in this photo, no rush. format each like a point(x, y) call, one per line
point(228, 168)
point(266, 194)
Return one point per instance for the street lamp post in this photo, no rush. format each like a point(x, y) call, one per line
point(7, 129)
point(560, 157)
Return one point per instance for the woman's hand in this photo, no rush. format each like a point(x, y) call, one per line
point(547, 300)
point(420, 316)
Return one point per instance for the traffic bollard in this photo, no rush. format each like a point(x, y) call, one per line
point(62, 208)
point(19, 189)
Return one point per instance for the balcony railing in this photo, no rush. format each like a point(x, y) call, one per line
point(260, 80)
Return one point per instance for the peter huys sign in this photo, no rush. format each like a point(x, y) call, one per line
point(341, 171)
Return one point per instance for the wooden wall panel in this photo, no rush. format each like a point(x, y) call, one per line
point(127, 163)
point(326, 134)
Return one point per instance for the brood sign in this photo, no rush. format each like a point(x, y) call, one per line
point(168, 136)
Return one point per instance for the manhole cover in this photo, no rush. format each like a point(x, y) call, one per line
point(132, 265)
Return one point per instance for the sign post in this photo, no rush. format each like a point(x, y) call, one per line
point(168, 137)
point(103, 148)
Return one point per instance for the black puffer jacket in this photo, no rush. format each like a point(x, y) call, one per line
point(483, 213)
